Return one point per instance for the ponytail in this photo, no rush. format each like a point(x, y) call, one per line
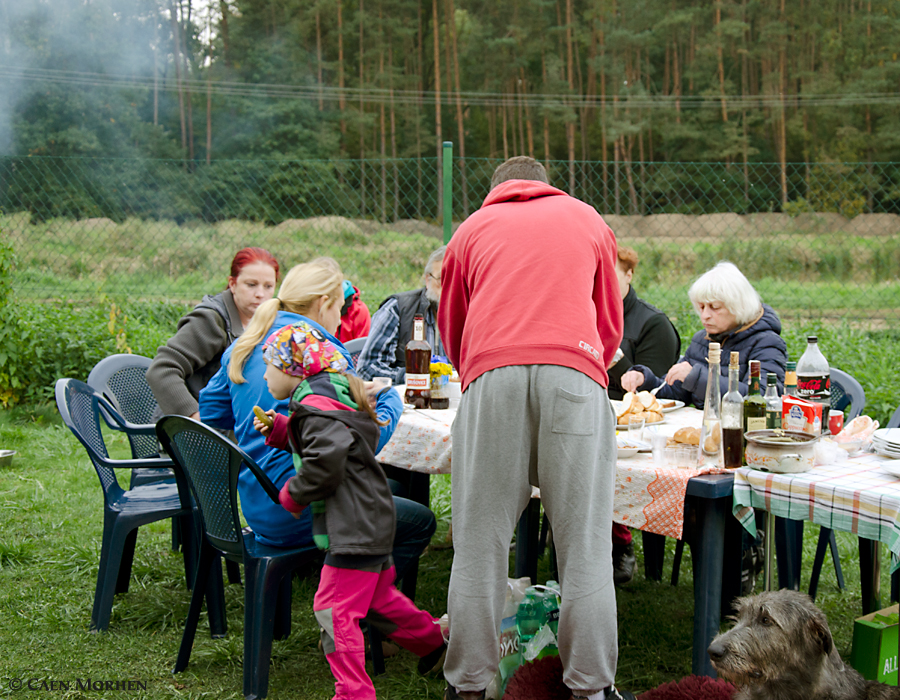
point(358, 392)
point(259, 326)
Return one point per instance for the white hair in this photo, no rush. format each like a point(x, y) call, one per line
point(727, 285)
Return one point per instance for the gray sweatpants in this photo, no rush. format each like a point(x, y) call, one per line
point(551, 427)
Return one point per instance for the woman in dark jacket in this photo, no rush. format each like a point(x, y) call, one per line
point(733, 315)
point(184, 365)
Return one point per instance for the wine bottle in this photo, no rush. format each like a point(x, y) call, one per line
point(732, 416)
point(418, 366)
point(773, 402)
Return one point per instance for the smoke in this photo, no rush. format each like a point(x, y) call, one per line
point(46, 49)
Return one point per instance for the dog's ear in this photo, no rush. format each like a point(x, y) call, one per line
point(819, 632)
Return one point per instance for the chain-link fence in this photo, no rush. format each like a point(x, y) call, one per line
point(818, 238)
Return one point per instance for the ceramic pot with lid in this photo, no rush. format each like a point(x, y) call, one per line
point(780, 451)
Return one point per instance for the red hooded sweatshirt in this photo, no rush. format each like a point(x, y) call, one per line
point(530, 279)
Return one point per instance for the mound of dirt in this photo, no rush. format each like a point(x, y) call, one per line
point(719, 224)
point(667, 226)
point(625, 227)
point(98, 224)
point(873, 225)
point(320, 223)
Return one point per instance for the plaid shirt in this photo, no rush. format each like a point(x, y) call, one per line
point(380, 353)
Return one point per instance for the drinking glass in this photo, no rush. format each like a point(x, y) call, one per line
point(658, 448)
point(635, 429)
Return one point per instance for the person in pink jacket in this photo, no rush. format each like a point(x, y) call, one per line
point(531, 317)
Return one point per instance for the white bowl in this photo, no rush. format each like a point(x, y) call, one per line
point(626, 452)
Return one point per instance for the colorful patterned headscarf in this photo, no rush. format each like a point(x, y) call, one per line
point(302, 351)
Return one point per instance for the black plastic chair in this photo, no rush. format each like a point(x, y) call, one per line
point(211, 464)
point(124, 511)
point(894, 422)
point(355, 347)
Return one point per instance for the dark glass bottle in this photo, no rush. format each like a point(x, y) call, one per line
point(732, 416)
point(754, 404)
point(773, 402)
point(418, 366)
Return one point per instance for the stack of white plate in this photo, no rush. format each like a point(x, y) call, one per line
point(886, 442)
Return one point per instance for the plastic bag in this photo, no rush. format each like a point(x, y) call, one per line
point(510, 658)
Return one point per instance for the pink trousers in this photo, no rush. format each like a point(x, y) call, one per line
point(345, 596)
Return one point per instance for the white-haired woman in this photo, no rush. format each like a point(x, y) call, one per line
point(733, 315)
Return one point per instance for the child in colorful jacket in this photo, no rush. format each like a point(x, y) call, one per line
point(332, 433)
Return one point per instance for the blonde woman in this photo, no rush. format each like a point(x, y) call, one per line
point(311, 292)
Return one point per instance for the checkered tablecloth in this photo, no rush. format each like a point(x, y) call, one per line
point(858, 496)
point(646, 497)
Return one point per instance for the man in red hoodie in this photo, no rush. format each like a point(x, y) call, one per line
point(531, 316)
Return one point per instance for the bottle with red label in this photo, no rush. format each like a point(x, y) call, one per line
point(814, 376)
point(418, 366)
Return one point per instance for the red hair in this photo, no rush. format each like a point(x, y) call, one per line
point(249, 256)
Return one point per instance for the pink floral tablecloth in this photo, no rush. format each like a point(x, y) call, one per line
point(646, 497)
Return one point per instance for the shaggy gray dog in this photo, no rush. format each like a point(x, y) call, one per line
point(781, 649)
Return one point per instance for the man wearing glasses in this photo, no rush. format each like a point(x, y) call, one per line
point(385, 352)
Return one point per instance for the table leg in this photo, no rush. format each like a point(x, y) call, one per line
point(789, 552)
point(527, 535)
point(707, 555)
point(870, 574)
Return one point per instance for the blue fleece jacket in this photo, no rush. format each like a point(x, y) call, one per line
point(759, 340)
point(229, 406)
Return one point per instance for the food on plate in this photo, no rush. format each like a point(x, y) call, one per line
point(667, 404)
point(263, 417)
point(642, 405)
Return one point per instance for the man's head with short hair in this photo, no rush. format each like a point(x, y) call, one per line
point(519, 168)
point(432, 275)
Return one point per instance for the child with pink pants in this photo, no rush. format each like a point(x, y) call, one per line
point(333, 432)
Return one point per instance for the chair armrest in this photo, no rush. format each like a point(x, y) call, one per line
point(156, 462)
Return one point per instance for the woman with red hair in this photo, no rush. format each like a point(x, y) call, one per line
point(184, 365)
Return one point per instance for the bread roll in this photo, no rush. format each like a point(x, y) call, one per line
point(688, 436)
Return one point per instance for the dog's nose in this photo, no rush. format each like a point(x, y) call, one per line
point(716, 650)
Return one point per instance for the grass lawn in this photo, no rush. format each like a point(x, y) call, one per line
point(50, 529)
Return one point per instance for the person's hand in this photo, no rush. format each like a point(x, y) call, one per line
point(632, 380)
point(678, 373)
point(195, 415)
point(261, 427)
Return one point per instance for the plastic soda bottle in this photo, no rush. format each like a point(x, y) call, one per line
point(551, 606)
point(529, 616)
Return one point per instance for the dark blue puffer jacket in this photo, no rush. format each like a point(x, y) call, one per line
point(759, 340)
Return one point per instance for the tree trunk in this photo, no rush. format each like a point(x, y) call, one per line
point(570, 125)
point(319, 59)
point(383, 124)
point(460, 123)
point(721, 64)
point(362, 121)
point(342, 101)
point(226, 44)
point(505, 141)
point(783, 126)
point(437, 105)
point(176, 46)
point(393, 133)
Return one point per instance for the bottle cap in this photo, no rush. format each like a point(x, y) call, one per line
point(735, 360)
point(791, 366)
point(715, 354)
point(812, 339)
point(771, 378)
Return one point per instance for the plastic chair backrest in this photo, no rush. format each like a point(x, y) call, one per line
point(122, 380)
point(212, 464)
point(79, 405)
point(355, 347)
point(845, 390)
point(894, 422)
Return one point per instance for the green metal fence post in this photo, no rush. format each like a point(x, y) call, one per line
point(448, 190)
